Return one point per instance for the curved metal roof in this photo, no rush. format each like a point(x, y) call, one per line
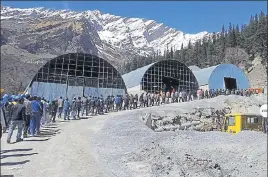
point(214, 76)
point(202, 76)
point(134, 78)
point(194, 68)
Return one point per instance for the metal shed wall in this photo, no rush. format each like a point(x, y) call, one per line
point(133, 78)
point(216, 80)
point(203, 75)
point(214, 76)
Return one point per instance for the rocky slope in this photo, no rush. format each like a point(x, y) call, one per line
point(257, 74)
point(202, 115)
point(129, 148)
point(97, 29)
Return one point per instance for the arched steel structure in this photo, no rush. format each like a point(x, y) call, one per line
point(153, 77)
point(77, 74)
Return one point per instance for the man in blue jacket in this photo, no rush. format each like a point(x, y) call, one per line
point(117, 102)
point(36, 116)
point(66, 109)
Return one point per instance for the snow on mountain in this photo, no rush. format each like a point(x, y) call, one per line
point(134, 34)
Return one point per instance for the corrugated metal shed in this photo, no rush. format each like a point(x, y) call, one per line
point(214, 76)
point(133, 78)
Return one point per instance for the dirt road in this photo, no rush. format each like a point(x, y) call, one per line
point(62, 150)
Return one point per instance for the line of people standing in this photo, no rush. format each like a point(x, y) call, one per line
point(29, 113)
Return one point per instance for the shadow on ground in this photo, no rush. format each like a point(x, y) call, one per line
point(7, 175)
point(17, 155)
point(85, 117)
point(15, 150)
point(37, 139)
point(14, 163)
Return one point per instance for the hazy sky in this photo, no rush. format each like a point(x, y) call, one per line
point(189, 17)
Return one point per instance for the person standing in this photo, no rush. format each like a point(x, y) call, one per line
point(54, 108)
point(131, 100)
point(88, 105)
point(38, 120)
point(126, 102)
point(28, 114)
point(107, 101)
point(66, 109)
point(84, 105)
point(141, 101)
point(78, 106)
point(44, 113)
point(36, 115)
point(17, 117)
point(60, 104)
point(180, 97)
point(117, 102)
point(135, 100)
point(206, 94)
point(3, 117)
point(74, 108)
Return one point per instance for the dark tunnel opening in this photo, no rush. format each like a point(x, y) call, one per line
point(230, 83)
point(170, 83)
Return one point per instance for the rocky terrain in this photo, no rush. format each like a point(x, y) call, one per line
point(257, 74)
point(129, 148)
point(200, 116)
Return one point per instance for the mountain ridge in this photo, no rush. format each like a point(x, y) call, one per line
point(140, 34)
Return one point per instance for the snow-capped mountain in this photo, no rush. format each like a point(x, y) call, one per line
point(110, 36)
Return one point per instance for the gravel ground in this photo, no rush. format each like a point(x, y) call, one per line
point(129, 148)
point(120, 144)
point(63, 150)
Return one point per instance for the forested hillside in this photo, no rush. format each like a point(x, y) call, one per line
point(235, 44)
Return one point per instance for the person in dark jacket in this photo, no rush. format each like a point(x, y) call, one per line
point(78, 106)
point(92, 104)
point(54, 108)
point(126, 102)
point(135, 101)
point(28, 112)
point(17, 117)
point(106, 102)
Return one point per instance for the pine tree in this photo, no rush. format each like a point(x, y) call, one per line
point(182, 54)
point(189, 45)
point(237, 35)
point(171, 53)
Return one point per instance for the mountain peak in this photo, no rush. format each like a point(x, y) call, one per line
point(126, 33)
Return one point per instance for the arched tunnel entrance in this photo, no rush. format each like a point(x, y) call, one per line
point(167, 75)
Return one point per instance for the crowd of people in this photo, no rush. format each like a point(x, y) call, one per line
point(29, 113)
